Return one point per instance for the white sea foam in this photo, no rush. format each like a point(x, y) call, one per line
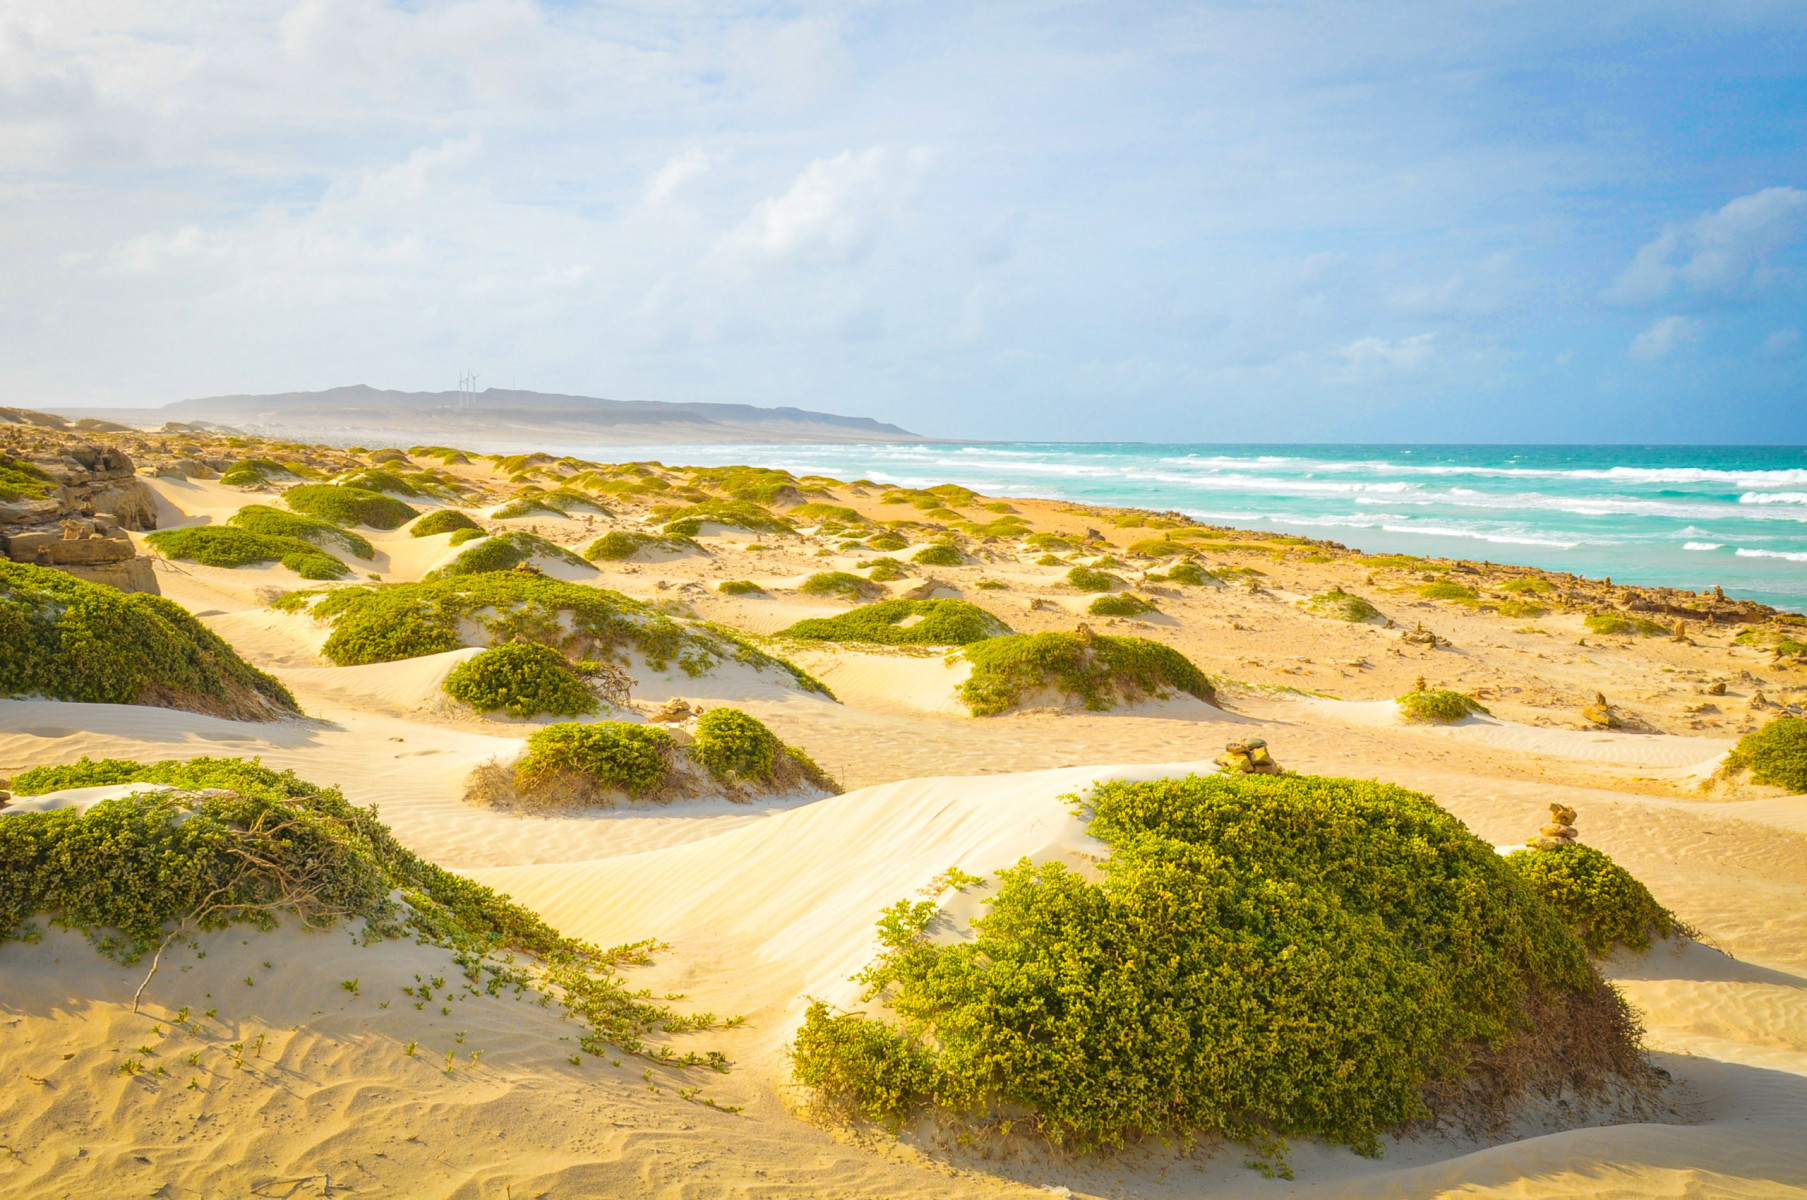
point(1790, 555)
point(1773, 498)
point(1702, 545)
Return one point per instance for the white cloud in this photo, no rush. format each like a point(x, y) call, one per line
point(1722, 251)
point(679, 170)
point(1371, 358)
point(832, 211)
point(1665, 335)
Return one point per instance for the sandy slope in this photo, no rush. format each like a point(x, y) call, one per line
point(766, 904)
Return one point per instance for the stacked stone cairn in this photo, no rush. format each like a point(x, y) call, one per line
point(1248, 757)
point(1559, 832)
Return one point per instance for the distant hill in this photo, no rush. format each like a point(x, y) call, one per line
point(504, 415)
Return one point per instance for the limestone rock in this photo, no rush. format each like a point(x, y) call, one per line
point(670, 711)
point(1600, 713)
point(1248, 757)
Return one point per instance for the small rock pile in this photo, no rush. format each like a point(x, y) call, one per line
point(1559, 832)
point(1601, 713)
point(1420, 636)
point(1248, 757)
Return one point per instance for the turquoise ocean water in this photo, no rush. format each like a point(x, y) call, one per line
point(1686, 517)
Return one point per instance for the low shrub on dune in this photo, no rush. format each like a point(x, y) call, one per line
point(1438, 706)
point(1339, 605)
point(620, 545)
point(903, 623)
point(66, 639)
point(348, 505)
point(1123, 604)
point(1186, 572)
point(602, 764)
point(1447, 589)
point(1775, 754)
point(504, 552)
point(1088, 579)
point(1613, 624)
point(1098, 671)
point(888, 540)
point(839, 583)
point(739, 587)
point(939, 554)
point(238, 843)
point(224, 546)
point(523, 679)
point(689, 520)
point(265, 521)
point(442, 520)
point(1265, 957)
point(406, 620)
point(1597, 898)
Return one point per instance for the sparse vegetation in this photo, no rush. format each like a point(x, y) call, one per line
point(224, 546)
point(904, 623)
point(1437, 706)
point(523, 679)
point(738, 749)
point(885, 570)
point(1446, 589)
point(1775, 754)
point(66, 639)
point(1340, 606)
point(1157, 548)
point(612, 755)
point(1610, 624)
point(1596, 897)
point(1099, 671)
point(1535, 587)
point(887, 541)
point(348, 505)
point(739, 587)
point(1187, 572)
point(1267, 956)
point(21, 480)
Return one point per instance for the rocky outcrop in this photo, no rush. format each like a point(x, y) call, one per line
point(1559, 832)
point(1248, 757)
point(90, 495)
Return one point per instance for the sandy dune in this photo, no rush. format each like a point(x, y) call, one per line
point(764, 905)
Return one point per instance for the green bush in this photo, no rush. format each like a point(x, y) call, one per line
point(1446, 589)
point(739, 587)
point(461, 536)
point(1187, 572)
point(884, 570)
point(67, 639)
point(406, 620)
point(1610, 624)
point(938, 623)
point(887, 541)
point(938, 554)
point(1122, 604)
point(618, 545)
point(1097, 670)
point(827, 512)
point(372, 480)
point(1088, 580)
point(631, 758)
point(525, 506)
point(1048, 560)
point(839, 583)
point(273, 522)
point(442, 520)
point(348, 505)
point(1522, 609)
point(504, 552)
point(1157, 548)
point(20, 480)
point(1265, 956)
point(223, 546)
point(1775, 755)
point(523, 679)
point(1439, 706)
point(1596, 897)
point(1341, 606)
point(733, 745)
point(129, 871)
point(689, 520)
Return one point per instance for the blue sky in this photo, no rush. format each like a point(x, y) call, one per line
point(1255, 221)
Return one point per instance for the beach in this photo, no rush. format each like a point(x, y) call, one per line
point(763, 905)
